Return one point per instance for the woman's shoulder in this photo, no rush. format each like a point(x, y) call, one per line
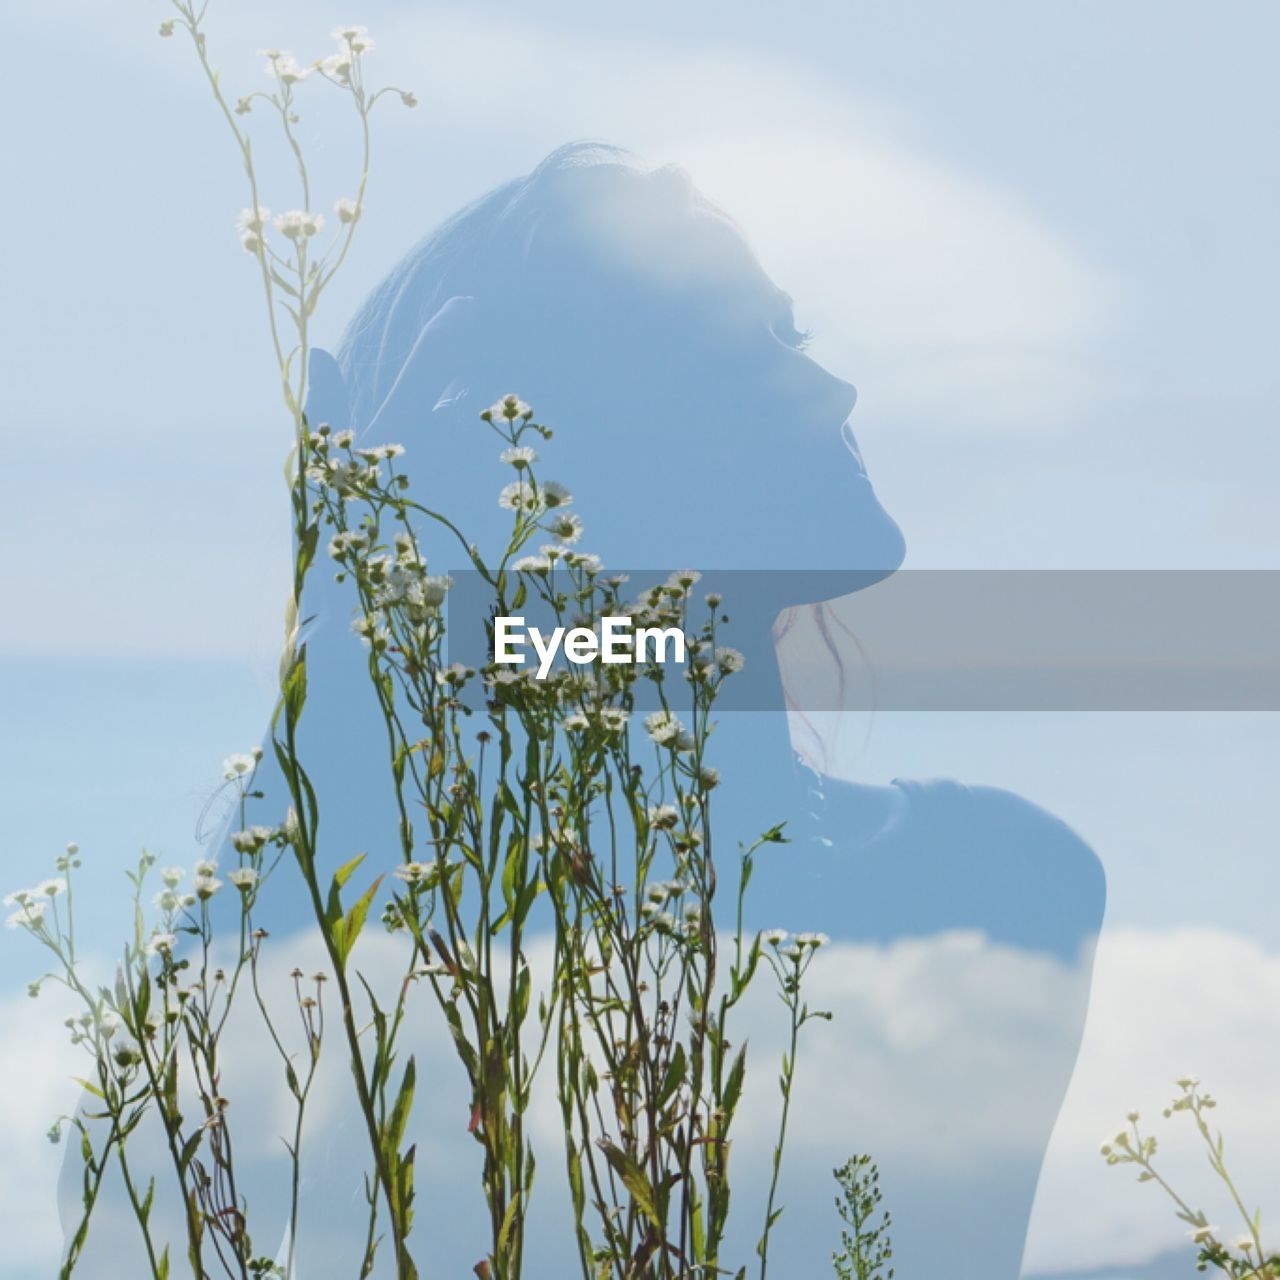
point(944, 813)
point(977, 815)
point(945, 855)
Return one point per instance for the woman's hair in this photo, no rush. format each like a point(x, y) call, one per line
point(486, 248)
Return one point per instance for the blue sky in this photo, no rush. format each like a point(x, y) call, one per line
point(1039, 238)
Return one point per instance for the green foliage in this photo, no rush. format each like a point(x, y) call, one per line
point(1243, 1256)
point(865, 1245)
point(557, 802)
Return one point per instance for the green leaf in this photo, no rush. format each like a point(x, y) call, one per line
point(674, 1076)
point(634, 1179)
point(347, 930)
point(733, 1087)
point(400, 1110)
point(294, 686)
point(333, 909)
point(91, 1088)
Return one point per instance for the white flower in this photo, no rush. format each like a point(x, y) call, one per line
point(519, 456)
point(456, 673)
point(205, 867)
point(337, 66)
point(243, 877)
point(172, 876)
point(664, 921)
point(127, 1054)
point(682, 579)
point(20, 897)
point(251, 839)
point(344, 439)
point(241, 763)
point(347, 542)
point(566, 525)
point(510, 407)
point(531, 564)
point(555, 495)
point(774, 937)
point(506, 675)
point(414, 872)
point(167, 901)
point(253, 220)
point(661, 890)
point(814, 940)
point(729, 660)
point(348, 210)
point(160, 944)
point(664, 727)
point(206, 886)
point(663, 816)
point(287, 68)
point(298, 224)
point(29, 914)
point(791, 953)
point(1203, 1235)
point(520, 495)
point(613, 719)
point(434, 589)
point(575, 721)
point(589, 564)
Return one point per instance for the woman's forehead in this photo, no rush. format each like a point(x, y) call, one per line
point(685, 247)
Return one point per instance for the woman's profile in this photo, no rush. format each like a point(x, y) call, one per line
point(694, 429)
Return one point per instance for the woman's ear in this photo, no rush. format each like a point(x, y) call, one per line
point(326, 392)
point(434, 373)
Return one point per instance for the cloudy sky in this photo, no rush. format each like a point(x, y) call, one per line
point(1040, 240)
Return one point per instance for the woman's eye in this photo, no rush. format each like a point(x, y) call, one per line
point(786, 332)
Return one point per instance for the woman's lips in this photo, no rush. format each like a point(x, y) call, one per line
point(851, 443)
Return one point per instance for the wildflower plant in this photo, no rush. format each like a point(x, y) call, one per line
point(522, 804)
point(866, 1248)
point(1239, 1254)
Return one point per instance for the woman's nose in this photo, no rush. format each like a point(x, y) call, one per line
point(823, 399)
point(831, 398)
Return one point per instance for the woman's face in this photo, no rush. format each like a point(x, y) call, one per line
point(690, 422)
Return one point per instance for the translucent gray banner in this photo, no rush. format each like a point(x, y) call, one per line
point(1007, 640)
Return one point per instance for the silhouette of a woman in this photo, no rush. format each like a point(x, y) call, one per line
point(694, 429)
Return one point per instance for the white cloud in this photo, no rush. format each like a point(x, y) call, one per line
point(37, 1062)
point(918, 1023)
point(938, 291)
point(1201, 1001)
